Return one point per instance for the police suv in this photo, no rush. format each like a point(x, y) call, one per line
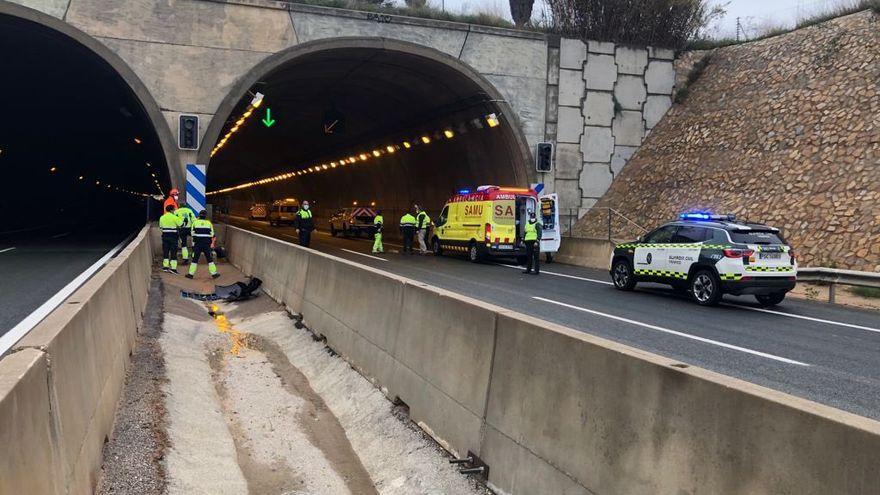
point(708, 256)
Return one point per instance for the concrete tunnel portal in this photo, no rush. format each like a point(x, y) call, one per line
point(364, 120)
point(81, 138)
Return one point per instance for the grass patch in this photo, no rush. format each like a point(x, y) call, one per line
point(832, 13)
point(694, 74)
point(867, 292)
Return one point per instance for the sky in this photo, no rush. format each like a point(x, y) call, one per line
point(755, 15)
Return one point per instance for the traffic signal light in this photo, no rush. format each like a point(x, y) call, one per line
point(188, 132)
point(544, 157)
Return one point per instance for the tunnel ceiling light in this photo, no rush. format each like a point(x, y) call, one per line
point(137, 140)
point(255, 103)
point(148, 165)
point(53, 169)
point(258, 100)
point(81, 177)
point(372, 203)
point(448, 132)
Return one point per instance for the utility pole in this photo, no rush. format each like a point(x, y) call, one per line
point(739, 29)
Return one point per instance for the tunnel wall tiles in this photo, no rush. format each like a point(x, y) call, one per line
point(596, 101)
point(609, 99)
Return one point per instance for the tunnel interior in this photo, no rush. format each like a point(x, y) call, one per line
point(365, 125)
point(76, 143)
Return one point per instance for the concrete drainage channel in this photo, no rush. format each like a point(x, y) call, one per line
point(257, 405)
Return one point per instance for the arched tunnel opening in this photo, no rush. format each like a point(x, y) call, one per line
point(363, 123)
point(80, 154)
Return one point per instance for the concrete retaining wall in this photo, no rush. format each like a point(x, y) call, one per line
point(591, 253)
point(553, 410)
point(60, 385)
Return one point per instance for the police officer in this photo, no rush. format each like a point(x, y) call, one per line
point(187, 218)
point(423, 223)
point(203, 237)
point(407, 228)
point(169, 223)
point(305, 224)
point(533, 244)
point(377, 224)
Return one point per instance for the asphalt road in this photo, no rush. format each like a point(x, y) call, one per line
point(819, 351)
point(33, 269)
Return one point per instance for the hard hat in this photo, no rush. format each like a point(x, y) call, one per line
point(174, 192)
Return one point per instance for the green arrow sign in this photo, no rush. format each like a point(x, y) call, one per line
point(268, 121)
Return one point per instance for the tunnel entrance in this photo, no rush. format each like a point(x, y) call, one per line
point(361, 121)
point(80, 152)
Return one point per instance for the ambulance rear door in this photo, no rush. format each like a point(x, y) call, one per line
point(551, 235)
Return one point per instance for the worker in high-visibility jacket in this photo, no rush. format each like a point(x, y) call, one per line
point(377, 234)
point(423, 224)
point(305, 224)
point(168, 224)
point(187, 218)
point(203, 237)
point(407, 230)
point(532, 239)
point(173, 195)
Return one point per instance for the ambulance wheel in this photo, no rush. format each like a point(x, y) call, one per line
point(622, 275)
point(474, 253)
point(435, 246)
point(770, 299)
point(549, 257)
point(705, 288)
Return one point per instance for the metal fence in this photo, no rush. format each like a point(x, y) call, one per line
point(599, 222)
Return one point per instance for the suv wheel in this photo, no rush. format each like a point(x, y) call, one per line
point(435, 246)
point(345, 232)
point(705, 288)
point(770, 299)
point(622, 275)
point(332, 230)
point(473, 253)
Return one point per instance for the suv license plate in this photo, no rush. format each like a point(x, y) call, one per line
point(770, 256)
point(503, 247)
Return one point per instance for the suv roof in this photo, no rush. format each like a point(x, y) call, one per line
point(724, 224)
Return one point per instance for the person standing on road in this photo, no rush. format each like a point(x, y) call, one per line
point(169, 223)
point(532, 238)
point(203, 237)
point(304, 224)
point(173, 195)
point(407, 229)
point(423, 223)
point(187, 218)
point(377, 225)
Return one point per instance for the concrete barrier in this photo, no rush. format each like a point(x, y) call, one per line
point(591, 253)
point(60, 385)
point(554, 410)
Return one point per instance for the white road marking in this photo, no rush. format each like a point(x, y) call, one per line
point(808, 318)
point(673, 332)
point(7, 249)
point(362, 254)
point(595, 281)
point(9, 339)
point(58, 236)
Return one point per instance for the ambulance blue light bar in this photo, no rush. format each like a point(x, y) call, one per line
point(699, 215)
point(464, 191)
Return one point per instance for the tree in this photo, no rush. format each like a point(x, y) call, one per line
point(664, 23)
point(521, 11)
point(416, 4)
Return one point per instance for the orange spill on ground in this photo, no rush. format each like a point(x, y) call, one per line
point(237, 338)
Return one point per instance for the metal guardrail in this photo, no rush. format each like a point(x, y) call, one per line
point(834, 276)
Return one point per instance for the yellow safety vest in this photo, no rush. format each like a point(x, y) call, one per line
point(407, 220)
point(169, 222)
point(531, 231)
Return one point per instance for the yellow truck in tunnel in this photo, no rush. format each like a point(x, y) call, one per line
point(489, 222)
